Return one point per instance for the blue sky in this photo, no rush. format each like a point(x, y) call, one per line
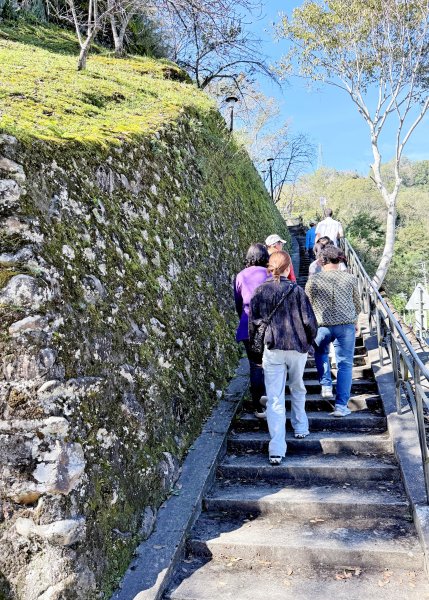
point(327, 115)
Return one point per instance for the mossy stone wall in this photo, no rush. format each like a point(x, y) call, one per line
point(117, 338)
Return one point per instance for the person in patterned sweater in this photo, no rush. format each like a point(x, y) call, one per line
point(334, 296)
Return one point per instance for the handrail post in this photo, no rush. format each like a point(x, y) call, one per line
point(395, 368)
point(421, 428)
point(379, 338)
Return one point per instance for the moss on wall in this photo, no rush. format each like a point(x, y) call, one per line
point(131, 250)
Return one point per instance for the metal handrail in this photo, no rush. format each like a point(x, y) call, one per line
point(408, 369)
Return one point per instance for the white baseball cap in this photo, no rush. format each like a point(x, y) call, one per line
point(273, 239)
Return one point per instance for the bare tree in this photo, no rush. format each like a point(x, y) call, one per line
point(120, 17)
point(210, 40)
point(87, 23)
point(377, 52)
point(291, 153)
point(120, 14)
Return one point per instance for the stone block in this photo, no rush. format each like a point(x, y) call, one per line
point(34, 323)
point(61, 469)
point(12, 169)
point(26, 292)
point(9, 194)
point(59, 533)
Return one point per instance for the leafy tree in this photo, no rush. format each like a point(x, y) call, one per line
point(411, 251)
point(375, 51)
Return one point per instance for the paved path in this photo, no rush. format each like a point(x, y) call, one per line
point(332, 521)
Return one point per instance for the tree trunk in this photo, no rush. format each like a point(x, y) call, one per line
point(118, 33)
point(390, 201)
point(81, 63)
point(118, 42)
point(388, 245)
point(85, 47)
point(119, 46)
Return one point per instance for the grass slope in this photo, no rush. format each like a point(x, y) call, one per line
point(43, 96)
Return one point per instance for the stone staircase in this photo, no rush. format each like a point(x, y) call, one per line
point(331, 520)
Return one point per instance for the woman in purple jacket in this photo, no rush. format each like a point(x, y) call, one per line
point(245, 284)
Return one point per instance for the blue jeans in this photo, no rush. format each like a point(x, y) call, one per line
point(343, 337)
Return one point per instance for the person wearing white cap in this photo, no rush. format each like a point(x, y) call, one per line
point(274, 243)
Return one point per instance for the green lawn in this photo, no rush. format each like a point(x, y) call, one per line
point(43, 96)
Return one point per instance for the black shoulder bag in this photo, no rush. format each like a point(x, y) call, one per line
point(261, 325)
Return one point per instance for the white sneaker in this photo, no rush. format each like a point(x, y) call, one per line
point(327, 391)
point(260, 414)
point(263, 400)
point(341, 411)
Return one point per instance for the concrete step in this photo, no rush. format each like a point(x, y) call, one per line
point(359, 360)
point(359, 386)
point(310, 469)
point(365, 543)
point(337, 442)
point(297, 502)
point(232, 579)
point(360, 372)
point(371, 402)
point(358, 421)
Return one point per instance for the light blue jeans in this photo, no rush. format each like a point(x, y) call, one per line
point(343, 338)
point(280, 365)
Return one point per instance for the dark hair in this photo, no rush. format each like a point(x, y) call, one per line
point(343, 258)
point(328, 212)
point(278, 263)
point(331, 255)
point(325, 240)
point(321, 243)
point(257, 256)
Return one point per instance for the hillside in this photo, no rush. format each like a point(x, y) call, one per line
point(126, 208)
point(42, 96)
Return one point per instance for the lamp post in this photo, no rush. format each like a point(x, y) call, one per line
point(230, 101)
point(270, 167)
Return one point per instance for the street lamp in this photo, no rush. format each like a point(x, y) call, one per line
point(270, 167)
point(230, 101)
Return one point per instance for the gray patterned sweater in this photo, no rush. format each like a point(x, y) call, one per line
point(334, 297)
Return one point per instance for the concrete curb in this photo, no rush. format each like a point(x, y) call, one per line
point(405, 440)
point(149, 573)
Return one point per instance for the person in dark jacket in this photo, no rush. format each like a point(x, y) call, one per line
point(245, 284)
point(288, 338)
